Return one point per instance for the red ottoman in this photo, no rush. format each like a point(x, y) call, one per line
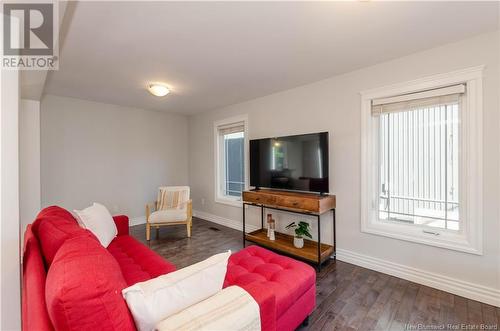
point(266, 274)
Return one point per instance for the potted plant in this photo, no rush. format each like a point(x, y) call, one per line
point(301, 230)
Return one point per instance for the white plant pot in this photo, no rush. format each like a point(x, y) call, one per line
point(298, 242)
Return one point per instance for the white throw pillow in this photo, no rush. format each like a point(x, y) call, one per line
point(158, 298)
point(99, 221)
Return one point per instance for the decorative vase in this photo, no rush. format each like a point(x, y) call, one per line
point(298, 242)
point(271, 228)
point(269, 220)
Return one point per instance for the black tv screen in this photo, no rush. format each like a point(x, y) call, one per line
point(297, 162)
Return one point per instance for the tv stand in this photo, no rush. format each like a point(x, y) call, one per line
point(309, 204)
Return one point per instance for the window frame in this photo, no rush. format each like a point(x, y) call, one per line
point(219, 159)
point(469, 238)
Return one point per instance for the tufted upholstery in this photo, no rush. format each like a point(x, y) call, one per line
point(287, 278)
point(67, 274)
point(83, 276)
point(137, 262)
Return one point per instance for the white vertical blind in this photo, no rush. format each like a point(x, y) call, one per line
point(419, 151)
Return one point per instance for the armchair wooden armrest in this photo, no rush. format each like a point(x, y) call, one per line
point(150, 207)
point(189, 207)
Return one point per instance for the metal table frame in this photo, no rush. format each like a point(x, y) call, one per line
point(318, 216)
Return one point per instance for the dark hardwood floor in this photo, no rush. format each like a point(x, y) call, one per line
point(348, 297)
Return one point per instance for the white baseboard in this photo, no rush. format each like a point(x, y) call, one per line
point(452, 285)
point(137, 220)
point(456, 286)
point(224, 221)
point(206, 216)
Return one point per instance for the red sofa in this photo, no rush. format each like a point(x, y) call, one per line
point(71, 282)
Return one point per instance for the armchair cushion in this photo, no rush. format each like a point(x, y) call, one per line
point(168, 215)
point(172, 197)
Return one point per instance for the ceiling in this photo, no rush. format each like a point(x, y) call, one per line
point(214, 54)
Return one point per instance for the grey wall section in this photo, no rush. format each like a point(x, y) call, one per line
point(95, 152)
point(334, 105)
point(29, 162)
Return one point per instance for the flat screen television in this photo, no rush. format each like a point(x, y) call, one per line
point(298, 162)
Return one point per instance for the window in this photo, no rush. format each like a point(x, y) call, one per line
point(230, 137)
point(418, 160)
point(422, 161)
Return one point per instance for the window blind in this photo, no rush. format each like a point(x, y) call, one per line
point(231, 128)
point(440, 96)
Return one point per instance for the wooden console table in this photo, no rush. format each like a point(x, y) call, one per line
point(294, 202)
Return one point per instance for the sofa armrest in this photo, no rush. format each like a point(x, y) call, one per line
point(121, 222)
point(267, 304)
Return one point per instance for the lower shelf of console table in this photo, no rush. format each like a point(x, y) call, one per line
point(306, 204)
point(284, 244)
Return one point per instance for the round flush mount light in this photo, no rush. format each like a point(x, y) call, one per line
point(158, 90)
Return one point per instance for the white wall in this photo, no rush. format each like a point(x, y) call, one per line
point(10, 286)
point(29, 162)
point(334, 105)
point(110, 154)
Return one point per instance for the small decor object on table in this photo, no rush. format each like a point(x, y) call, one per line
point(272, 225)
point(269, 220)
point(301, 230)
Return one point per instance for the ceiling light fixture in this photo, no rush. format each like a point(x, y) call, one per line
point(158, 90)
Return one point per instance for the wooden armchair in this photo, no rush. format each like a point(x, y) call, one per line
point(173, 207)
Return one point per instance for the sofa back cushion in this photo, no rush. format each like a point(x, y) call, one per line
point(34, 311)
point(53, 226)
point(83, 288)
point(54, 211)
